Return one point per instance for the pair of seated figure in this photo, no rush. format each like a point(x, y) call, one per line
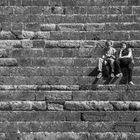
point(124, 60)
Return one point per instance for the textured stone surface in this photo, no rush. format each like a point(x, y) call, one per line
point(101, 105)
point(70, 135)
point(39, 116)
point(13, 127)
point(39, 87)
point(129, 116)
point(48, 54)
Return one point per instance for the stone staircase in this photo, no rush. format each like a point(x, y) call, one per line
point(48, 54)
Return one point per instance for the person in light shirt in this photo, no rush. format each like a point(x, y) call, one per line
point(108, 57)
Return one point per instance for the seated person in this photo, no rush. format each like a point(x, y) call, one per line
point(126, 60)
point(108, 57)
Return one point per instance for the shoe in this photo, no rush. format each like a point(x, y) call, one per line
point(119, 75)
point(131, 83)
point(99, 75)
point(112, 75)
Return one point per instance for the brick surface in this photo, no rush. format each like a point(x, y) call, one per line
point(71, 135)
point(39, 116)
point(110, 116)
point(101, 105)
point(69, 127)
point(39, 87)
point(49, 51)
point(118, 95)
point(22, 106)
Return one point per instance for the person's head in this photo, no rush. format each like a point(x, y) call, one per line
point(108, 44)
point(124, 45)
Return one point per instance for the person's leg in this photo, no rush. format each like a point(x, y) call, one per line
point(100, 65)
point(127, 63)
point(111, 63)
point(130, 71)
point(117, 68)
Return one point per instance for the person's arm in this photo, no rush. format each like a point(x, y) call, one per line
point(129, 54)
point(120, 54)
point(103, 56)
point(114, 54)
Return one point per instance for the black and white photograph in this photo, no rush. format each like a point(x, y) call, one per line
point(69, 69)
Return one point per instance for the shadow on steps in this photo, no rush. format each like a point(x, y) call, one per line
point(106, 77)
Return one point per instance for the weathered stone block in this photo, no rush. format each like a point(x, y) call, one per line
point(5, 18)
point(88, 106)
point(26, 3)
point(36, 9)
point(136, 10)
point(22, 106)
point(135, 2)
point(70, 27)
point(135, 35)
point(53, 52)
point(52, 19)
point(54, 107)
point(18, 18)
point(4, 3)
point(41, 35)
point(8, 10)
point(48, 27)
point(79, 10)
point(21, 10)
point(40, 3)
point(8, 62)
point(95, 27)
point(32, 26)
point(15, 2)
point(9, 127)
point(69, 3)
point(55, 136)
point(38, 43)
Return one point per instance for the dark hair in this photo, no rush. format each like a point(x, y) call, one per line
point(125, 44)
point(107, 43)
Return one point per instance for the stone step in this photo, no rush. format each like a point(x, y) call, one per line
point(106, 95)
point(110, 87)
point(72, 35)
point(40, 43)
point(46, 61)
point(54, 71)
point(88, 26)
point(49, 95)
point(60, 80)
point(58, 126)
point(101, 105)
point(13, 116)
point(70, 3)
point(68, 10)
point(106, 116)
point(81, 52)
point(67, 116)
point(70, 18)
point(39, 87)
point(42, 30)
point(58, 96)
point(70, 106)
point(70, 135)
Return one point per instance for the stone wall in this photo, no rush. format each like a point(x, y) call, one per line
point(48, 51)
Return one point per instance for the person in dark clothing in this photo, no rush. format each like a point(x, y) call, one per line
point(125, 60)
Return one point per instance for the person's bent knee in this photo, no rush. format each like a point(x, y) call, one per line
point(100, 60)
